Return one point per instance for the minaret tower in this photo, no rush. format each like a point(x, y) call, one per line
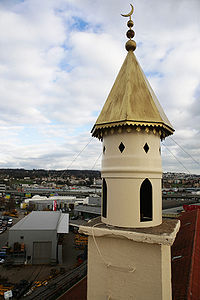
point(129, 247)
point(130, 126)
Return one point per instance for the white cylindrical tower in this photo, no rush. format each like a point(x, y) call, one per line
point(131, 172)
point(130, 126)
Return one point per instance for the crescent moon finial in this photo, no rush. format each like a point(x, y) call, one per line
point(130, 44)
point(129, 14)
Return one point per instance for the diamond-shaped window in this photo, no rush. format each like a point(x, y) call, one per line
point(121, 147)
point(146, 147)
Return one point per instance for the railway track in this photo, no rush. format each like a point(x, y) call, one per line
point(59, 285)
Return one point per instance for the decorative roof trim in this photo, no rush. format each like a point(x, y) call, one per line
point(97, 127)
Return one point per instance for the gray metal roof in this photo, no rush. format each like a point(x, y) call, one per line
point(63, 224)
point(38, 220)
point(88, 209)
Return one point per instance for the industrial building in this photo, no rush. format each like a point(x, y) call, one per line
point(39, 232)
point(89, 211)
point(47, 203)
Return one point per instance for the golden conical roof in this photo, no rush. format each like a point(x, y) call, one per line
point(132, 102)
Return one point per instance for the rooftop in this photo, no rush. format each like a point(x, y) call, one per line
point(88, 209)
point(132, 102)
point(186, 259)
point(39, 220)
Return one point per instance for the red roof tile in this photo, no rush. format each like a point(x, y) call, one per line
point(194, 285)
point(77, 292)
point(186, 259)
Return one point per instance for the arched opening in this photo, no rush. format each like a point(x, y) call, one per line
point(146, 201)
point(104, 200)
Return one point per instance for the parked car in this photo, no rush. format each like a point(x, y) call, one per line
point(10, 223)
point(2, 260)
point(74, 218)
point(4, 226)
point(87, 219)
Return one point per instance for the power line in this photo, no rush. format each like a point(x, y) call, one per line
point(185, 151)
point(79, 153)
point(75, 158)
point(96, 161)
point(177, 159)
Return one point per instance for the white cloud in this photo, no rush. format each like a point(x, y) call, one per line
point(59, 59)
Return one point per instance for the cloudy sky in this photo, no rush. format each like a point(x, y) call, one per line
point(59, 59)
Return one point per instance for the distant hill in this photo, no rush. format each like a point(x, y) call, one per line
point(38, 173)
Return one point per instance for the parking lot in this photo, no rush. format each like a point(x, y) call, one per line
point(4, 235)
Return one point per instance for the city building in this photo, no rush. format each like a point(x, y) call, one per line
point(47, 203)
point(90, 210)
point(2, 187)
point(39, 232)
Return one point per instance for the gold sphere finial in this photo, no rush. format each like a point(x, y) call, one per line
point(130, 44)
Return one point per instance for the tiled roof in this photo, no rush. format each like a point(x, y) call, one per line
point(186, 258)
point(77, 292)
point(194, 286)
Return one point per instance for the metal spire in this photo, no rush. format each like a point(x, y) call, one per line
point(130, 44)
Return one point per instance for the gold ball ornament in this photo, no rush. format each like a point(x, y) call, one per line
point(130, 45)
point(130, 34)
point(130, 23)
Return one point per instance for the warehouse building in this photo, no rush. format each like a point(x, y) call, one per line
point(40, 232)
point(90, 210)
point(47, 203)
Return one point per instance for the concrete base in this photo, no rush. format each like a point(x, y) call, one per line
point(129, 263)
